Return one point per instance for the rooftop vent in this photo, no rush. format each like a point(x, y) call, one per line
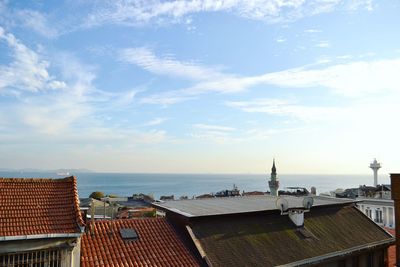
point(128, 234)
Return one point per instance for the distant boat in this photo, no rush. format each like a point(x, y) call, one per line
point(62, 173)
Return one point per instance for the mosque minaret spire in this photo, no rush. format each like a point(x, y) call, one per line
point(274, 183)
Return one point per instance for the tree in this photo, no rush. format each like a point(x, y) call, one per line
point(97, 195)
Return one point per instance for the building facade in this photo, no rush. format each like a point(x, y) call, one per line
point(381, 211)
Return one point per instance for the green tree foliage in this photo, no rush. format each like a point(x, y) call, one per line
point(97, 195)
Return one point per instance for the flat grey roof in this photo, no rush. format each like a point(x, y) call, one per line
point(243, 204)
point(376, 201)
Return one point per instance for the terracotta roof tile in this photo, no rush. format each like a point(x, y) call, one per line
point(158, 245)
point(39, 206)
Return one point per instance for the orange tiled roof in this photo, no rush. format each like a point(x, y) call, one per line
point(39, 206)
point(158, 245)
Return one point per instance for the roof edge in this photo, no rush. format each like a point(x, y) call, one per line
point(40, 236)
point(29, 180)
point(79, 220)
point(233, 213)
point(332, 255)
point(198, 245)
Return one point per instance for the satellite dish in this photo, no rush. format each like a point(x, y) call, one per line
point(282, 204)
point(308, 202)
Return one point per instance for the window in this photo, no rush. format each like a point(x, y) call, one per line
point(378, 216)
point(40, 258)
point(368, 212)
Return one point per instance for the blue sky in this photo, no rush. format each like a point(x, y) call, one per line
point(200, 86)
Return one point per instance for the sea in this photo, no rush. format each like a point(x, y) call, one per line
point(190, 185)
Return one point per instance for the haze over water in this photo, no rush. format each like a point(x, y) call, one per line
point(126, 184)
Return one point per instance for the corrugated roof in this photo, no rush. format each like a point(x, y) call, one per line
point(157, 245)
point(272, 239)
point(233, 205)
point(39, 207)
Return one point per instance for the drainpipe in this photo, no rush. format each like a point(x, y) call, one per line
point(395, 183)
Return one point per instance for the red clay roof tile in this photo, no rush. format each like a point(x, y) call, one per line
point(158, 245)
point(39, 206)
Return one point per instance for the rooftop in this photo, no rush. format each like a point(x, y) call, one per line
point(32, 208)
point(234, 205)
point(157, 244)
point(272, 239)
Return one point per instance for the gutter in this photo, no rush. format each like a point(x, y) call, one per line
point(42, 236)
point(319, 259)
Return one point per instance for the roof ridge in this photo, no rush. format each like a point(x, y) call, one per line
point(36, 179)
point(128, 220)
point(79, 219)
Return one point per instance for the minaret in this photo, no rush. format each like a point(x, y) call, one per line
point(375, 166)
point(273, 183)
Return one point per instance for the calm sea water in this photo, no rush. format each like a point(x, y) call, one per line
point(126, 184)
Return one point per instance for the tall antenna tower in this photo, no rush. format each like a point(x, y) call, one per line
point(375, 166)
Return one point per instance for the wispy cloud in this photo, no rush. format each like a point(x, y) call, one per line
point(27, 18)
point(154, 122)
point(165, 99)
point(285, 108)
point(360, 4)
point(312, 31)
point(209, 127)
point(215, 133)
point(36, 21)
point(146, 59)
point(28, 71)
point(141, 12)
point(323, 44)
point(75, 114)
point(349, 79)
point(280, 40)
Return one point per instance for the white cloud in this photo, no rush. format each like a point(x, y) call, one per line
point(215, 133)
point(27, 71)
point(285, 108)
point(154, 122)
point(209, 127)
point(280, 40)
point(360, 4)
point(323, 44)
point(27, 18)
point(164, 99)
point(312, 31)
point(37, 22)
point(349, 79)
point(140, 12)
point(169, 66)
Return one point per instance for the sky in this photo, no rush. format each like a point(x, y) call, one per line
point(206, 86)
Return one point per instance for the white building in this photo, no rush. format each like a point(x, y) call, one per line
point(381, 211)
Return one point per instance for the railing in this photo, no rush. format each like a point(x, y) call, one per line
point(39, 258)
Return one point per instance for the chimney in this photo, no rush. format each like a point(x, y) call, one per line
point(395, 182)
point(297, 217)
